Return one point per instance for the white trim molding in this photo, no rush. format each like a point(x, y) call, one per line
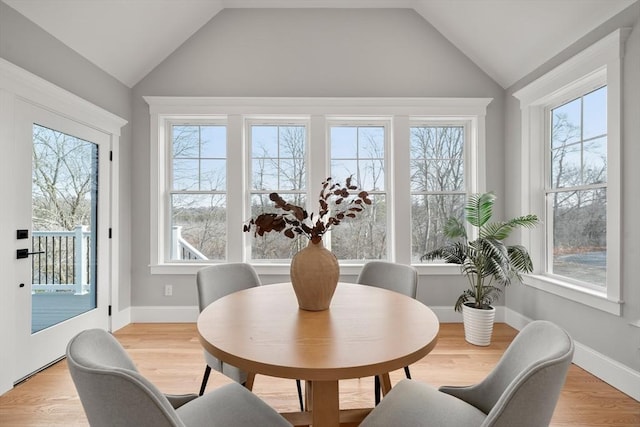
point(318, 113)
point(608, 370)
point(597, 65)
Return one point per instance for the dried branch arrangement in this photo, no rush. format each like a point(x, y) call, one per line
point(337, 202)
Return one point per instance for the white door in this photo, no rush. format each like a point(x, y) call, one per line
point(62, 230)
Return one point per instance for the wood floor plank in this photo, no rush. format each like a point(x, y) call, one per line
point(170, 356)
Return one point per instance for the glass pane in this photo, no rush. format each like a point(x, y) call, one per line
point(343, 169)
point(214, 142)
point(445, 175)
point(595, 113)
point(371, 142)
point(422, 142)
point(565, 123)
point(64, 206)
point(595, 161)
point(566, 166)
point(279, 158)
point(186, 141)
point(450, 143)
point(437, 159)
point(429, 214)
point(292, 175)
point(579, 235)
point(419, 173)
point(273, 246)
point(264, 174)
point(264, 141)
point(364, 237)
point(213, 175)
point(199, 227)
point(344, 142)
point(371, 175)
point(185, 175)
point(292, 142)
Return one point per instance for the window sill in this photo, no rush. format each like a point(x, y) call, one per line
point(278, 269)
point(588, 297)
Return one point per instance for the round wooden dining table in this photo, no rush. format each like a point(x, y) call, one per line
point(366, 331)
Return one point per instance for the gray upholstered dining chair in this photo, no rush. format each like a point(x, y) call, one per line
point(522, 390)
point(392, 276)
point(113, 393)
point(215, 282)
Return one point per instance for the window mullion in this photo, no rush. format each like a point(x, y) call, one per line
point(236, 181)
point(399, 184)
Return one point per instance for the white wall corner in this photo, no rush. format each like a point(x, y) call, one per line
point(120, 319)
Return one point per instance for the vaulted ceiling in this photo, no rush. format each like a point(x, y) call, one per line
point(506, 38)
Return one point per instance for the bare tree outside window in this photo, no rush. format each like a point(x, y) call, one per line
point(64, 206)
point(358, 151)
point(437, 184)
point(578, 188)
point(278, 165)
point(198, 192)
point(62, 180)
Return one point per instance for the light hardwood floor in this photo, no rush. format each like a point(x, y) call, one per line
point(171, 357)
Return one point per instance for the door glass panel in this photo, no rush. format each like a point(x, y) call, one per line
point(63, 241)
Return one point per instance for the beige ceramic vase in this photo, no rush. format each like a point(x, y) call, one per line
point(314, 276)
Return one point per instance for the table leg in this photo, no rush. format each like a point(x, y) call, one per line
point(325, 404)
point(249, 382)
point(385, 383)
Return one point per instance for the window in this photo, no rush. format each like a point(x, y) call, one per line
point(359, 151)
point(214, 162)
point(438, 184)
point(278, 164)
point(576, 194)
point(198, 192)
point(571, 175)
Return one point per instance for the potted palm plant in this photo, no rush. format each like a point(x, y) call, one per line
point(487, 262)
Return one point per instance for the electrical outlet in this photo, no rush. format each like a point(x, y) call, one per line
point(168, 290)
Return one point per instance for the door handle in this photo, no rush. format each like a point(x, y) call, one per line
point(24, 253)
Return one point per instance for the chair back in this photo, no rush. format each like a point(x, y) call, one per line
point(220, 280)
point(390, 275)
point(524, 386)
point(111, 390)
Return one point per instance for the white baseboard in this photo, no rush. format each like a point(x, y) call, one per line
point(608, 370)
point(164, 314)
point(120, 319)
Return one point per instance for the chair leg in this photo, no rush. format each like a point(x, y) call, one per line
point(376, 389)
point(207, 371)
point(406, 372)
point(300, 395)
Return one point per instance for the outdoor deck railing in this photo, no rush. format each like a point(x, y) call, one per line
point(181, 249)
point(60, 261)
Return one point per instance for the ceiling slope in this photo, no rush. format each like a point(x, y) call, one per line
point(506, 38)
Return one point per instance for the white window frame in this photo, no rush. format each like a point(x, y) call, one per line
point(272, 121)
point(597, 65)
point(386, 123)
point(473, 158)
point(398, 111)
point(169, 249)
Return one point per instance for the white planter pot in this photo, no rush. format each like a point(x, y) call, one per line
point(478, 325)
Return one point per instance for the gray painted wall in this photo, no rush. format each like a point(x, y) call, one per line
point(610, 335)
point(305, 52)
point(28, 46)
